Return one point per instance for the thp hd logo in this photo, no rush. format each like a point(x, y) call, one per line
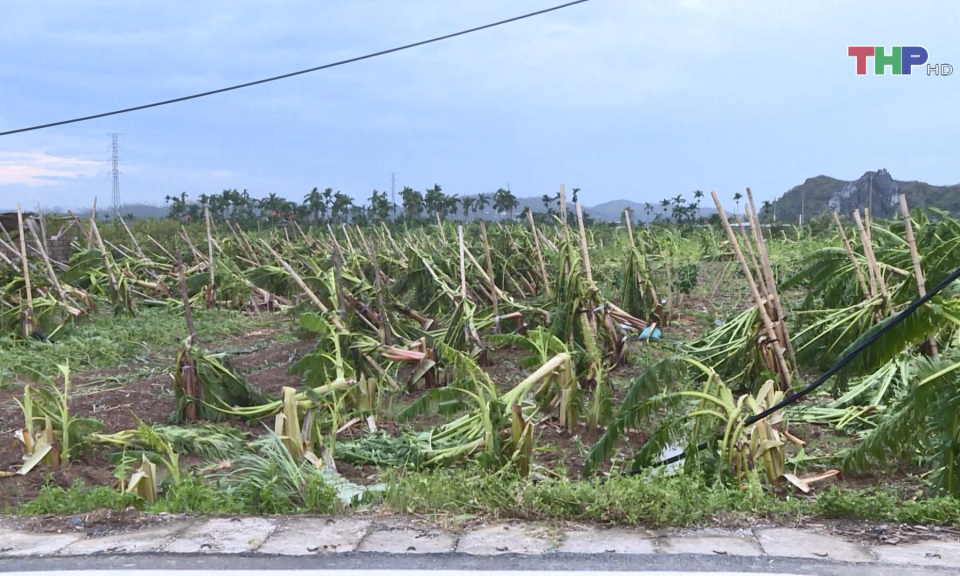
point(900, 60)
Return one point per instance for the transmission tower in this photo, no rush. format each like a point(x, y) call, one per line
point(116, 172)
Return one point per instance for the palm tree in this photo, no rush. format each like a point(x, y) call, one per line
point(698, 194)
point(326, 202)
point(314, 202)
point(648, 208)
point(500, 201)
point(450, 203)
point(467, 203)
point(736, 198)
point(482, 202)
point(379, 207)
point(512, 203)
point(664, 204)
point(341, 205)
point(435, 199)
point(412, 202)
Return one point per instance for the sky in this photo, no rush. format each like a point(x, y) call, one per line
point(633, 99)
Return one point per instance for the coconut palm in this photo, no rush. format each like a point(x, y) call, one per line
point(467, 203)
point(412, 202)
point(482, 202)
point(314, 202)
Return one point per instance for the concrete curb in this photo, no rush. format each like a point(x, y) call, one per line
point(310, 536)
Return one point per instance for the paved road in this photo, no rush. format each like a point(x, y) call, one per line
point(362, 564)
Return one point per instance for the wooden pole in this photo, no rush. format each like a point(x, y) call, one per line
point(628, 217)
point(540, 262)
point(463, 269)
point(764, 316)
point(443, 236)
point(43, 229)
point(871, 258)
point(853, 257)
point(95, 233)
point(93, 219)
point(771, 280)
point(28, 313)
point(386, 336)
point(79, 225)
point(338, 275)
point(211, 291)
point(136, 245)
point(753, 256)
point(563, 205)
point(915, 256)
point(46, 260)
point(493, 285)
point(583, 243)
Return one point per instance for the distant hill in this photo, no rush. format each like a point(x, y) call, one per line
point(878, 189)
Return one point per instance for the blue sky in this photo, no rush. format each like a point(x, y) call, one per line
point(623, 98)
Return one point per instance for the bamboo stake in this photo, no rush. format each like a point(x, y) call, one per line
point(319, 304)
point(349, 242)
point(212, 290)
point(771, 280)
point(43, 229)
point(80, 225)
point(853, 257)
point(136, 245)
point(915, 256)
point(463, 269)
point(563, 205)
point(440, 226)
point(93, 218)
point(871, 258)
point(493, 285)
point(483, 274)
point(626, 215)
point(46, 260)
point(28, 313)
point(583, 243)
point(867, 225)
point(387, 337)
point(95, 233)
point(160, 246)
point(338, 275)
point(536, 243)
point(753, 257)
point(764, 316)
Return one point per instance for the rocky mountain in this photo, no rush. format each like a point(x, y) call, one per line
point(877, 190)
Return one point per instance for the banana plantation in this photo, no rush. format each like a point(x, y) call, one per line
point(550, 350)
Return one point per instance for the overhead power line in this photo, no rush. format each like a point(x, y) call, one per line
point(292, 74)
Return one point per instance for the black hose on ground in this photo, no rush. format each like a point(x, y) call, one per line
point(913, 307)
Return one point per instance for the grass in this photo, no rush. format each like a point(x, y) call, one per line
point(111, 341)
point(677, 501)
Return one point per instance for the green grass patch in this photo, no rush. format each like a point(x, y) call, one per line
point(111, 341)
point(674, 501)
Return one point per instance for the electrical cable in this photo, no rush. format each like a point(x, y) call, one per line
point(292, 74)
point(913, 307)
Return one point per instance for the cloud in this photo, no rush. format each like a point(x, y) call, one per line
point(39, 168)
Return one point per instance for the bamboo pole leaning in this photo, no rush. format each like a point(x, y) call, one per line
point(875, 272)
point(771, 280)
point(782, 366)
point(853, 257)
point(28, 312)
point(915, 257)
